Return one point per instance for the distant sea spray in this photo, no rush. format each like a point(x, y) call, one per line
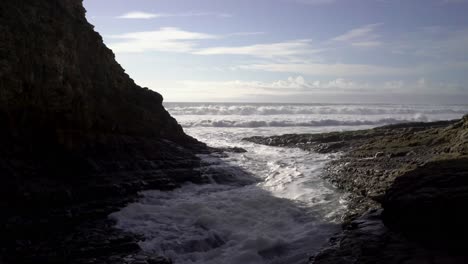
point(232, 115)
point(309, 109)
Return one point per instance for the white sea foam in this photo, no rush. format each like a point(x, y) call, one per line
point(314, 109)
point(286, 213)
point(299, 123)
point(221, 224)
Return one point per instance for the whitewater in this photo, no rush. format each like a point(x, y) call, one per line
point(278, 209)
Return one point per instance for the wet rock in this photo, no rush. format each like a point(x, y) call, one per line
point(416, 172)
point(424, 204)
point(228, 149)
point(159, 260)
point(236, 150)
point(378, 155)
point(367, 240)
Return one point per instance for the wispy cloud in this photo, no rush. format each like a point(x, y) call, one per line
point(238, 88)
point(172, 39)
point(168, 39)
point(364, 36)
point(301, 87)
point(339, 69)
point(291, 84)
point(139, 15)
point(270, 50)
point(246, 33)
point(147, 15)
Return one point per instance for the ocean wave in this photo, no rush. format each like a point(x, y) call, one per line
point(311, 123)
point(248, 110)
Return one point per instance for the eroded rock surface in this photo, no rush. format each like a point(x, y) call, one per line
point(417, 173)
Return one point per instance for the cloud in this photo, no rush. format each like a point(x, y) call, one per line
point(171, 39)
point(139, 15)
point(146, 15)
point(338, 69)
point(246, 33)
point(270, 50)
point(298, 87)
point(238, 88)
point(166, 39)
point(364, 36)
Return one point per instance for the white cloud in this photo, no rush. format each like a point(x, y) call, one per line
point(246, 33)
point(301, 89)
point(146, 15)
point(271, 50)
point(166, 39)
point(364, 36)
point(170, 39)
point(339, 69)
point(138, 15)
point(237, 88)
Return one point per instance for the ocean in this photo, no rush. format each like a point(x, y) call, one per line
point(287, 212)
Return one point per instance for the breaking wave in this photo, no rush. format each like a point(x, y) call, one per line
point(285, 213)
point(295, 123)
point(268, 109)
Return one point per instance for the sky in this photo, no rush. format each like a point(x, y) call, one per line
point(302, 51)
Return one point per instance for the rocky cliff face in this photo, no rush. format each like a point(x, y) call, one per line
point(78, 136)
point(58, 79)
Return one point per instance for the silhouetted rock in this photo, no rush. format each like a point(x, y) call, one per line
point(79, 138)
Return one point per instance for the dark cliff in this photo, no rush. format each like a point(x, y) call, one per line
point(78, 137)
point(59, 80)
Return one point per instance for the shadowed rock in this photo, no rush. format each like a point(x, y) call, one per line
point(79, 138)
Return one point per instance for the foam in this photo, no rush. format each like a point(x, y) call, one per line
point(220, 224)
point(288, 214)
point(276, 208)
point(293, 109)
point(240, 123)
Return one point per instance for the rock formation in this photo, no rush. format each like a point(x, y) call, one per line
point(414, 180)
point(78, 137)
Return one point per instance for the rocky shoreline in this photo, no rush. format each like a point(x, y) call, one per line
point(79, 140)
point(67, 222)
point(408, 185)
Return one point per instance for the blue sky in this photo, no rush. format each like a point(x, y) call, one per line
point(408, 51)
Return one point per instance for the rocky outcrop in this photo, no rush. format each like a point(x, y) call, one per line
point(59, 81)
point(417, 173)
point(79, 138)
point(426, 204)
